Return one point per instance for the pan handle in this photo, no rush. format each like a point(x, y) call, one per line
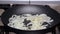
point(47, 6)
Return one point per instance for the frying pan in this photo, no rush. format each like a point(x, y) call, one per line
point(31, 9)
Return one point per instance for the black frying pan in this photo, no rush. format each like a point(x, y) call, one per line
point(31, 9)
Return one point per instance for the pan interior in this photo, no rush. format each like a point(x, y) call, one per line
point(30, 22)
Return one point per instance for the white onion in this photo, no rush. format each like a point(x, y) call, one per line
point(16, 21)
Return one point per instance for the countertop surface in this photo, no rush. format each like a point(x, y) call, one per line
point(31, 2)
